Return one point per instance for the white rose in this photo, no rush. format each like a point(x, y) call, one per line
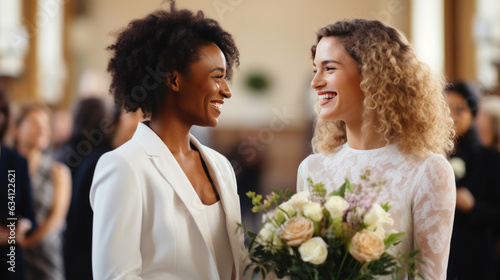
point(458, 166)
point(380, 232)
point(300, 199)
point(377, 217)
point(314, 250)
point(277, 243)
point(266, 234)
point(284, 212)
point(313, 211)
point(336, 205)
point(268, 238)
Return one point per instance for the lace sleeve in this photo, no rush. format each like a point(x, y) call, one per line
point(433, 214)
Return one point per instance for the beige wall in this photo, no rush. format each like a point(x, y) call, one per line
point(460, 45)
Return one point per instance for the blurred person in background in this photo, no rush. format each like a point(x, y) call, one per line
point(478, 191)
point(22, 201)
point(126, 124)
point(101, 133)
point(90, 138)
point(488, 126)
point(51, 184)
point(62, 126)
point(91, 128)
point(488, 122)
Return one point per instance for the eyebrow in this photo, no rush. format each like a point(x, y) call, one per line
point(324, 62)
point(217, 69)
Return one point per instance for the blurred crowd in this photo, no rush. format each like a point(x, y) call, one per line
point(476, 162)
point(54, 153)
point(53, 156)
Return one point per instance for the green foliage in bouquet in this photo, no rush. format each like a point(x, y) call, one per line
point(315, 235)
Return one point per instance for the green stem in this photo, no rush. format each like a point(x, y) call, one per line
point(352, 270)
point(316, 228)
point(342, 264)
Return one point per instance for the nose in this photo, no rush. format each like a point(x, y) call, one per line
point(317, 82)
point(225, 90)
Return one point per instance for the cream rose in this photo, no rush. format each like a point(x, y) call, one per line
point(336, 205)
point(268, 238)
point(377, 217)
point(314, 250)
point(313, 211)
point(300, 199)
point(265, 234)
point(284, 212)
point(297, 231)
point(366, 246)
point(277, 243)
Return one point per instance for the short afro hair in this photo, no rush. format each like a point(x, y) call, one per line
point(148, 49)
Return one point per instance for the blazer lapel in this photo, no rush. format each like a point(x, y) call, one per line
point(168, 167)
point(230, 201)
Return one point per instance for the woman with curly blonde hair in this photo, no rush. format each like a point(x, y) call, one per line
point(382, 110)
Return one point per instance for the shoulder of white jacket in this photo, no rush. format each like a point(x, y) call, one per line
point(129, 151)
point(215, 155)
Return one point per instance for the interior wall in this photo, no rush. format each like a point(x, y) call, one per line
point(24, 87)
point(460, 45)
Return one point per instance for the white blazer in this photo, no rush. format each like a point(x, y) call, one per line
point(148, 223)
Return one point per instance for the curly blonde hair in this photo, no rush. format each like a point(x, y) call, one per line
point(404, 102)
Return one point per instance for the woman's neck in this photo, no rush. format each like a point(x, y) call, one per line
point(33, 157)
point(361, 138)
point(173, 133)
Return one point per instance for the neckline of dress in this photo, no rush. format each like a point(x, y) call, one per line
point(369, 151)
point(211, 206)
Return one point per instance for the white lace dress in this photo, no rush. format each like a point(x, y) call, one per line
point(421, 192)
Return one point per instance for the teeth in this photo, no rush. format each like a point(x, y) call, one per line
point(327, 96)
point(217, 106)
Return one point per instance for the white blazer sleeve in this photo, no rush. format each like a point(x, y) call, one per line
point(116, 200)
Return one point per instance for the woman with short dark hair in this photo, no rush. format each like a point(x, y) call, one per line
point(165, 206)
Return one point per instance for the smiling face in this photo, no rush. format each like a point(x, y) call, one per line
point(337, 82)
point(202, 90)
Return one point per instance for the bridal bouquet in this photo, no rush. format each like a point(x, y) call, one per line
point(315, 235)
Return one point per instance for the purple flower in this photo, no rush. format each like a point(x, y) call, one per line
point(366, 202)
point(318, 199)
point(353, 219)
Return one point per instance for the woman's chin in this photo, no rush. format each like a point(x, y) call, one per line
point(327, 116)
point(212, 123)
